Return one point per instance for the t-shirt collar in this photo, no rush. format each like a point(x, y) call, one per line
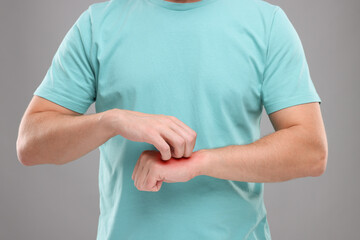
point(181, 6)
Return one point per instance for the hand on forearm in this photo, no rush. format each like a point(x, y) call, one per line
point(280, 156)
point(56, 138)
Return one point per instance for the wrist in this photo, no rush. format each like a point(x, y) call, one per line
point(203, 160)
point(108, 121)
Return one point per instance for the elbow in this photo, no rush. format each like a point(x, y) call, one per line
point(21, 153)
point(24, 153)
point(27, 156)
point(319, 162)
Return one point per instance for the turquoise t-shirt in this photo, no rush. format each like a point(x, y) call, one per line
point(213, 64)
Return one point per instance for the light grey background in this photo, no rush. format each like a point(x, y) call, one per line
point(61, 202)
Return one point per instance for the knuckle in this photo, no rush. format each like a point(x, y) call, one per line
point(189, 138)
point(162, 116)
point(167, 120)
point(173, 118)
point(180, 141)
point(194, 134)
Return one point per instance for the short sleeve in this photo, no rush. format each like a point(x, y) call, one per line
point(70, 80)
point(286, 79)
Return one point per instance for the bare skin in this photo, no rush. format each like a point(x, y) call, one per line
point(298, 148)
point(52, 134)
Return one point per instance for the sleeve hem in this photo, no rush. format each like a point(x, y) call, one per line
point(273, 107)
point(61, 100)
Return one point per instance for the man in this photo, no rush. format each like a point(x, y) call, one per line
point(179, 89)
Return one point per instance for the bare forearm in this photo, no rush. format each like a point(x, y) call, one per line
point(54, 138)
point(280, 156)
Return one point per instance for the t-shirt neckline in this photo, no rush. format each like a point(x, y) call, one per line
point(181, 6)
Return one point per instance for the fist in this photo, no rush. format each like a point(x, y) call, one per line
point(151, 171)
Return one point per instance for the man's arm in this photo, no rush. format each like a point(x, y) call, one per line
point(52, 134)
point(297, 148)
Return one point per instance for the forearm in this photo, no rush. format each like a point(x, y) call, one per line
point(280, 156)
point(54, 138)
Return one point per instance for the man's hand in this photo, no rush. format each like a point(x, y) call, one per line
point(150, 171)
point(169, 135)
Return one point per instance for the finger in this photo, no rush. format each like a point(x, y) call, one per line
point(175, 140)
point(143, 171)
point(191, 136)
point(136, 167)
point(144, 178)
point(134, 171)
point(149, 182)
point(188, 129)
point(138, 175)
point(189, 146)
point(162, 146)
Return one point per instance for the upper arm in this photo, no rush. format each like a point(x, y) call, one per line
point(307, 115)
point(39, 104)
